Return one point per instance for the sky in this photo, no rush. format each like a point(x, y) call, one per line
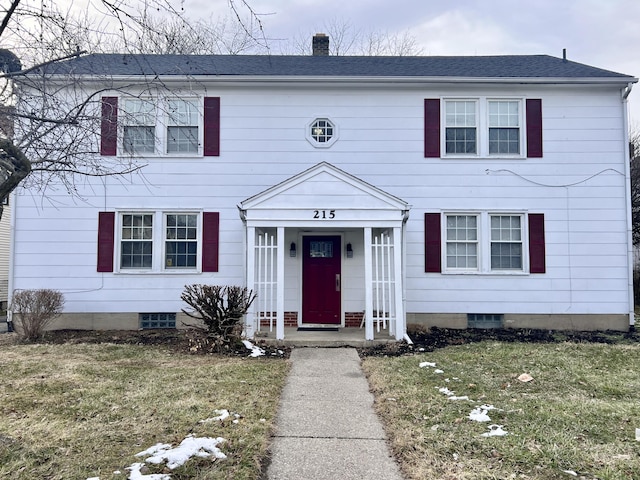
point(601, 33)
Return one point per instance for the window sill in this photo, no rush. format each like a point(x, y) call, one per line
point(496, 273)
point(156, 272)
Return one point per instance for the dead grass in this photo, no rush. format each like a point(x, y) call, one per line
point(578, 414)
point(80, 411)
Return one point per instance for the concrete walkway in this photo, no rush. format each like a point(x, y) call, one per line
point(326, 426)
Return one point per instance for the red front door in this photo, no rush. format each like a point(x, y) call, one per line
point(321, 282)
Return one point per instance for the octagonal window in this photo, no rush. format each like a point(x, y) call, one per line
point(322, 132)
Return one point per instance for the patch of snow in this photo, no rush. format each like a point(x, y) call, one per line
point(427, 364)
point(464, 397)
point(189, 447)
point(495, 431)
point(479, 415)
point(137, 475)
point(222, 416)
point(438, 371)
point(637, 434)
point(255, 350)
point(570, 472)
point(93, 478)
point(446, 391)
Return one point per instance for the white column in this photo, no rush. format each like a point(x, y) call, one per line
point(251, 322)
point(368, 286)
point(400, 329)
point(280, 285)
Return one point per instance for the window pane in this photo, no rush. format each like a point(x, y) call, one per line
point(461, 246)
point(139, 139)
point(181, 244)
point(460, 140)
point(182, 113)
point(506, 256)
point(506, 242)
point(136, 247)
point(182, 139)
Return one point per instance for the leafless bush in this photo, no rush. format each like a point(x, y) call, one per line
point(220, 308)
point(33, 310)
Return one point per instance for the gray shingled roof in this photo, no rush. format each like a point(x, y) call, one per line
point(507, 66)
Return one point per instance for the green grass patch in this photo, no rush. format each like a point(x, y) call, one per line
point(578, 414)
point(80, 411)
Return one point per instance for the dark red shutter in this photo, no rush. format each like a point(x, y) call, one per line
point(536, 243)
point(109, 126)
point(212, 126)
point(432, 240)
point(106, 226)
point(210, 241)
point(432, 127)
point(534, 128)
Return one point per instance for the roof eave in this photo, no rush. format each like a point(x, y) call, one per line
point(377, 80)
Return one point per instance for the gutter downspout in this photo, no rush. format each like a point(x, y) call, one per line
point(12, 256)
point(405, 218)
point(627, 173)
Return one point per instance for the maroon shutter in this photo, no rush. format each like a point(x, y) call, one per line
point(109, 126)
point(536, 243)
point(210, 241)
point(432, 127)
point(212, 126)
point(534, 128)
point(106, 224)
point(432, 239)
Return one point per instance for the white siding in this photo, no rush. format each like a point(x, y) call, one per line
point(578, 185)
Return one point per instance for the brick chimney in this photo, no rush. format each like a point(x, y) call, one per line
point(320, 45)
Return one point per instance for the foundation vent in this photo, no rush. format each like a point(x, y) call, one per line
point(157, 320)
point(485, 320)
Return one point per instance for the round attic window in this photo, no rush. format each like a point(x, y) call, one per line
point(322, 132)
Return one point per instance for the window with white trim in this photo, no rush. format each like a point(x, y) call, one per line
point(461, 242)
point(506, 242)
point(484, 242)
point(504, 127)
point(139, 126)
point(182, 126)
point(136, 246)
point(181, 240)
point(461, 127)
point(159, 241)
point(322, 132)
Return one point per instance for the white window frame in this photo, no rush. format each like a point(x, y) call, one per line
point(198, 104)
point(166, 240)
point(162, 118)
point(482, 127)
point(159, 240)
point(311, 137)
point(520, 127)
point(493, 241)
point(450, 241)
point(445, 126)
point(484, 242)
point(131, 117)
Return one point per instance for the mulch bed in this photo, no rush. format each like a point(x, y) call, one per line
point(424, 340)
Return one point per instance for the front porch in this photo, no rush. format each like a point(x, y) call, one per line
point(324, 248)
point(341, 337)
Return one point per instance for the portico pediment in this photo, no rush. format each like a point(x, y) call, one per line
point(323, 192)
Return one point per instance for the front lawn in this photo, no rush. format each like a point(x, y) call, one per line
point(576, 418)
point(78, 411)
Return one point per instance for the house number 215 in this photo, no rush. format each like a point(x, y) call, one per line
point(324, 214)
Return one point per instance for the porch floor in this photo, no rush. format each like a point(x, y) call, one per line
point(344, 337)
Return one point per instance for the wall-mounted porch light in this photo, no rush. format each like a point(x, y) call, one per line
point(292, 250)
point(349, 251)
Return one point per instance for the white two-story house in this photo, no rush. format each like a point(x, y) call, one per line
point(347, 192)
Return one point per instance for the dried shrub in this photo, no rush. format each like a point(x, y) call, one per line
point(33, 310)
point(220, 308)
